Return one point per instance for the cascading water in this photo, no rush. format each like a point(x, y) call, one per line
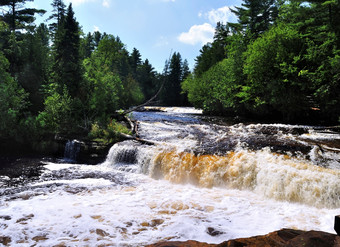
point(72, 149)
point(201, 173)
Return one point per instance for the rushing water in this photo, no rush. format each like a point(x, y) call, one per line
point(203, 179)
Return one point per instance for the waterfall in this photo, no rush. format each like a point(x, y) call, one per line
point(72, 149)
point(282, 162)
point(275, 176)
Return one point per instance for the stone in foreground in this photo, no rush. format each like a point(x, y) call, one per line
point(281, 238)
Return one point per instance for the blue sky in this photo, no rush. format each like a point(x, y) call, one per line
point(154, 27)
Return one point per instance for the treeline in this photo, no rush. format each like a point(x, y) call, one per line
point(280, 61)
point(54, 79)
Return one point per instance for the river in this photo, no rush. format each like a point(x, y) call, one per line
point(204, 179)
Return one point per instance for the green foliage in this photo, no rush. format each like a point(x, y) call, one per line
point(131, 93)
point(57, 115)
point(281, 62)
point(272, 67)
point(109, 134)
point(67, 70)
point(13, 101)
point(146, 76)
point(214, 52)
point(34, 71)
point(255, 17)
point(68, 87)
point(216, 90)
point(103, 89)
point(175, 73)
point(17, 16)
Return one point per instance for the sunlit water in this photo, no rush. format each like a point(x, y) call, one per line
point(202, 180)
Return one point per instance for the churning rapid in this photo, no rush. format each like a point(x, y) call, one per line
point(192, 177)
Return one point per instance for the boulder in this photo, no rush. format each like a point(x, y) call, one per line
point(281, 238)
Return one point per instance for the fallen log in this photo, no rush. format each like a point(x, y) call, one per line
point(130, 137)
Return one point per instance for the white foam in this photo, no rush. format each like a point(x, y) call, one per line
point(150, 212)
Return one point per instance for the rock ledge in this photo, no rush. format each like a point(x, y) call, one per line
point(284, 237)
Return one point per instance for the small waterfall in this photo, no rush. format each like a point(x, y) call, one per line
point(72, 149)
point(123, 153)
point(131, 156)
point(276, 176)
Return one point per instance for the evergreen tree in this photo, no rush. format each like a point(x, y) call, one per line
point(214, 52)
point(13, 100)
point(58, 14)
point(147, 79)
point(17, 16)
point(185, 69)
point(135, 60)
point(172, 88)
point(35, 65)
point(87, 46)
point(255, 16)
point(67, 67)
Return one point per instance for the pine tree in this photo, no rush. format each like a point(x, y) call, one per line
point(214, 52)
point(17, 16)
point(255, 16)
point(172, 89)
point(87, 46)
point(135, 60)
point(35, 59)
point(67, 66)
point(147, 79)
point(58, 14)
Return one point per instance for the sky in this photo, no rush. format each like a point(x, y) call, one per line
point(156, 28)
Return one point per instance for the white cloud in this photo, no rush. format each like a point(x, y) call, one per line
point(106, 3)
point(198, 34)
point(220, 15)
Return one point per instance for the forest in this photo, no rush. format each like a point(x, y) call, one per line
point(279, 62)
point(55, 79)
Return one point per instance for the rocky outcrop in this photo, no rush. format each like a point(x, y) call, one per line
point(281, 238)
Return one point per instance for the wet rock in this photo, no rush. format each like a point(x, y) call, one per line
point(5, 240)
point(337, 224)
point(213, 232)
point(5, 217)
point(281, 238)
point(156, 222)
point(3, 226)
point(39, 238)
point(101, 233)
point(19, 171)
point(189, 243)
point(145, 224)
point(77, 216)
point(25, 218)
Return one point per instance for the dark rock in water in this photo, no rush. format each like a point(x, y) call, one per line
point(189, 243)
point(20, 171)
point(84, 151)
point(92, 152)
point(337, 224)
point(5, 240)
point(281, 238)
point(5, 217)
point(213, 232)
